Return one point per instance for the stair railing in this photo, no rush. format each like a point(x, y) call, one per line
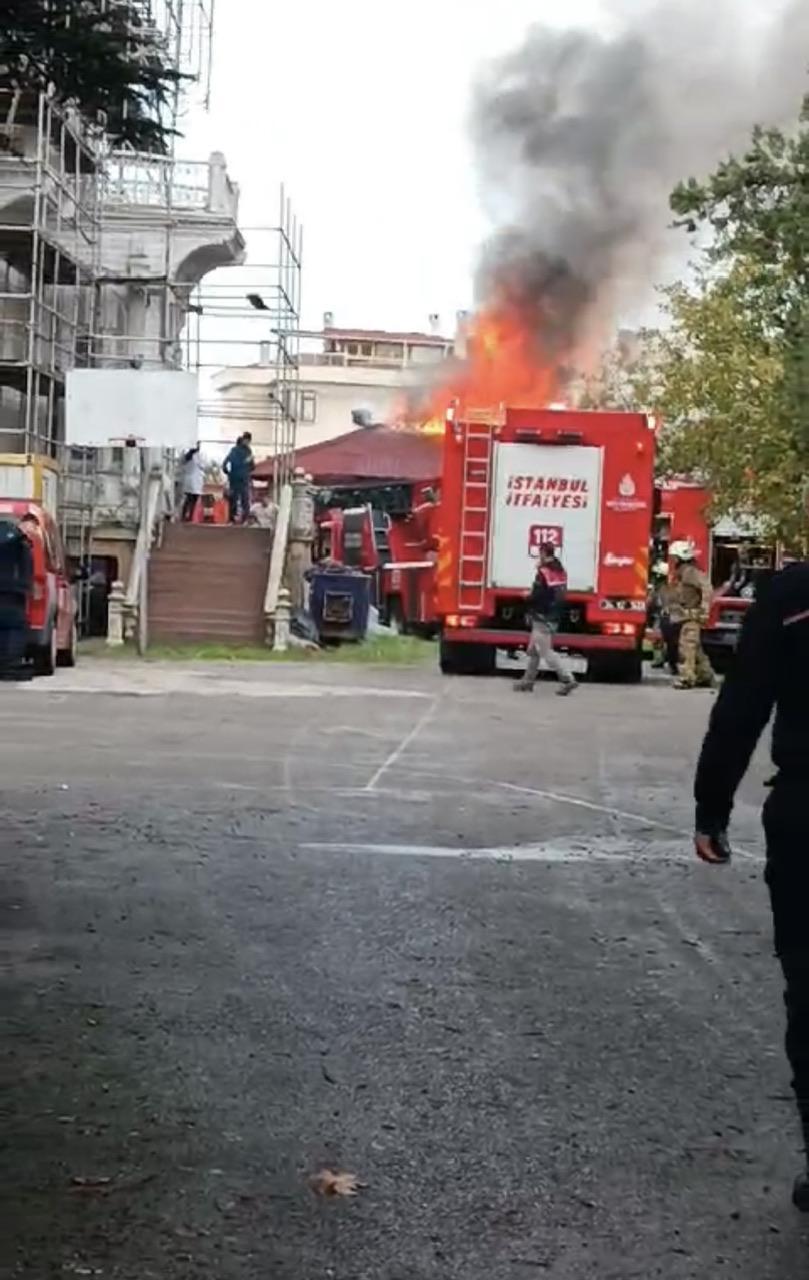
point(153, 498)
point(278, 555)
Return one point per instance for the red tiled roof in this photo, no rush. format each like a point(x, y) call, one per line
point(369, 453)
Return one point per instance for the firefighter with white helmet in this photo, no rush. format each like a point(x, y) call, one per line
point(688, 600)
point(665, 651)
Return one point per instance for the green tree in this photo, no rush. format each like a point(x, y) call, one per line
point(102, 57)
point(756, 209)
point(715, 376)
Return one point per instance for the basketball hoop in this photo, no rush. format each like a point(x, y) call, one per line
point(126, 442)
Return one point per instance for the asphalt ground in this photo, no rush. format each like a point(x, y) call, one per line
point(262, 921)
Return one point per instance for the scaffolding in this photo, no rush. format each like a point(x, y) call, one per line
point(186, 29)
point(49, 244)
point(244, 332)
point(98, 269)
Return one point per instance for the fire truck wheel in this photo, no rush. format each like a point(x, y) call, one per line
point(617, 668)
point(395, 615)
point(467, 659)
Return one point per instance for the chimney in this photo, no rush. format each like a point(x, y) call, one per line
point(461, 333)
point(435, 322)
point(328, 319)
point(264, 353)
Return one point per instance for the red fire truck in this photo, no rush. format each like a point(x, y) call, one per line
point(683, 514)
point(393, 541)
point(512, 480)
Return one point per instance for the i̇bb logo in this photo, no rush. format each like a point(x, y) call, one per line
point(553, 534)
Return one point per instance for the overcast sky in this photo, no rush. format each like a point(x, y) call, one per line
point(361, 109)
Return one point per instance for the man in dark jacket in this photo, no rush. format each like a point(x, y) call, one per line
point(16, 580)
point(544, 612)
point(771, 671)
point(238, 467)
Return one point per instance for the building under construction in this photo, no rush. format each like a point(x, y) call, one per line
point(102, 254)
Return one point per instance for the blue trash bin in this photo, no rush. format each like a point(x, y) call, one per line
point(340, 601)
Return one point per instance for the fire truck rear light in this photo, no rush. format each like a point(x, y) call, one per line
point(453, 620)
point(620, 628)
point(38, 591)
point(468, 621)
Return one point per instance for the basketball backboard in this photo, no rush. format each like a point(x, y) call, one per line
point(158, 409)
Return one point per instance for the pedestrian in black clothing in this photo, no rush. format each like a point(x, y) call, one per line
point(238, 468)
point(16, 581)
point(771, 671)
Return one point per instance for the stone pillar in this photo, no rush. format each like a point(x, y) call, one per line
point(280, 640)
point(217, 183)
point(301, 537)
point(115, 616)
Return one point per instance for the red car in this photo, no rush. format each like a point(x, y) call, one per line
point(51, 611)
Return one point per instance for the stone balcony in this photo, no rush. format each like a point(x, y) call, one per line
point(142, 195)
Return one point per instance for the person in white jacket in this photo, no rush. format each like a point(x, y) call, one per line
point(193, 483)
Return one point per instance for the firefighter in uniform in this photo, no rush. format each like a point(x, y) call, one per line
point(666, 647)
point(544, 611)
point(688, 599)
point(771, 670)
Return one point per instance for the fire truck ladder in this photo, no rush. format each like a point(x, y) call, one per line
point(477, 467)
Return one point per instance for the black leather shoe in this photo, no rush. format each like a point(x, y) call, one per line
point(800, 1193)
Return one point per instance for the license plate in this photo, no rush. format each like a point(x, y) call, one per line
point(510, 662)
point(576, 662)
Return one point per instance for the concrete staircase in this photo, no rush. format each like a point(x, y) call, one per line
point(207, 585)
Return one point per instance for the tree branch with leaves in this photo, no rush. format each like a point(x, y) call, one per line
point(101, 57)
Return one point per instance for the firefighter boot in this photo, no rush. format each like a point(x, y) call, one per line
point(523, 686)
point(800, 1191)
point(566, 688)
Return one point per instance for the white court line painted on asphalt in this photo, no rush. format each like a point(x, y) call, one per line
point(421, 723)
point(190, 685)
point(510, 853)
point(578, 803)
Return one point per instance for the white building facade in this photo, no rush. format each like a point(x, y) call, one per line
point(356, 377)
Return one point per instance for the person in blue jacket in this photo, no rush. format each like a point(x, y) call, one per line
point(238, 468)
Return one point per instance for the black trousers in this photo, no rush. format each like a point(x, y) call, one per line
point(239, 500)
point(189, 506)
point(670, 634)
point(13, 638)
point(786, 826)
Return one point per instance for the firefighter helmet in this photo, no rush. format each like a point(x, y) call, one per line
point(682, 550)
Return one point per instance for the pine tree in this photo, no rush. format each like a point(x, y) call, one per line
point(99, 55)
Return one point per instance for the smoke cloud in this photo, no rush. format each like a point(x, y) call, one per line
point(581, 137)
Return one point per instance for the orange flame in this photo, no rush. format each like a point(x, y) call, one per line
point(503, 365)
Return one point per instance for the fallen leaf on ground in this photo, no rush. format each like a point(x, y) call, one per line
point(105, 1186)
point(328, 1183)
point(99, 1186)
